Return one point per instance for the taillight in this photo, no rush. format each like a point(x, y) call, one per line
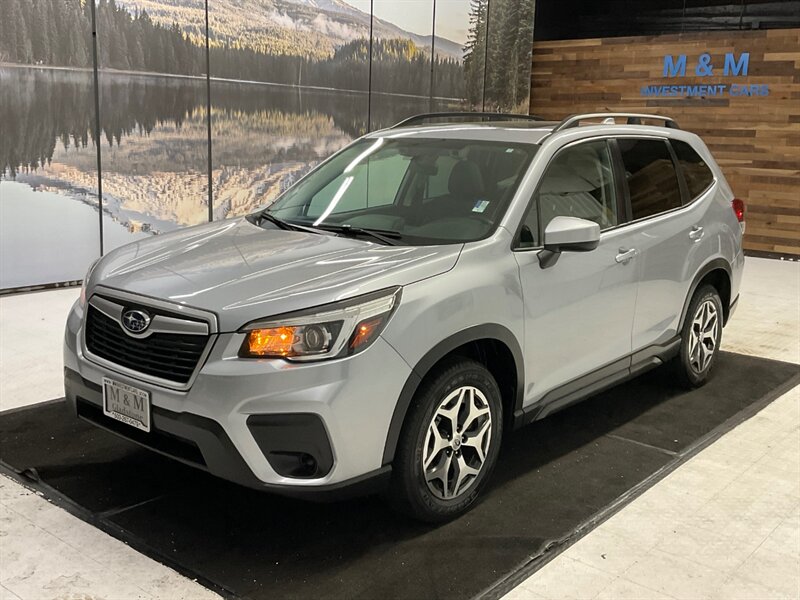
point(738, 209)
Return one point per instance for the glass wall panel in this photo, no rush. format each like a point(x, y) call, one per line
point(289, 87)
point(401, 54)
point(453, 22)
point(474, 44)
point(154, 142)
point(508, 61)
point(49, 225)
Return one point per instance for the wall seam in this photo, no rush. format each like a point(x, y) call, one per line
point(96, 85)
point(208, 122)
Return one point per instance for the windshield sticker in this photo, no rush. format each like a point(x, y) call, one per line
point(480, 206)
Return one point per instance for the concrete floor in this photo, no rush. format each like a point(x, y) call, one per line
point(724, 525)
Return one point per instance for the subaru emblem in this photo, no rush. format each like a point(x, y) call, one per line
point(135, 321)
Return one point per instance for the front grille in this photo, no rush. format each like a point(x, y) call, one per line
point(169, 356)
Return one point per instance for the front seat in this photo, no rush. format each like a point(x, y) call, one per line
point(465, 185)
point(464, 189)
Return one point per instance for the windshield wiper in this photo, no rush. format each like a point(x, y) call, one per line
point(265, 215)
point(390, 238)
point(386, 236)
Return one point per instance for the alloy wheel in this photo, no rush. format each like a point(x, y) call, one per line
point(703, 336)
point(457, 442)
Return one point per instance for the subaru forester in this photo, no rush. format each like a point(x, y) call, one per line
point(426, 289)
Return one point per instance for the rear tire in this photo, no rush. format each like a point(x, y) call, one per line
point(449, 444)
point(701, 336)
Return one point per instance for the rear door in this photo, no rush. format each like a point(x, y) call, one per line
point(665, 234)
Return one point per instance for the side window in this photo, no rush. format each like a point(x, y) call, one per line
point(578, 182)
point(652, 179)
point(372, 183)
point(696, 172)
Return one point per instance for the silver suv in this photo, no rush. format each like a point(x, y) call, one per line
point(416, 295)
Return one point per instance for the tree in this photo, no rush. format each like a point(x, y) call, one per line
point(41, 16)
point(500, 58)
point(23, 49)
point(9, 16)
point(475, 52)
point(77, 53)
point(135, 49)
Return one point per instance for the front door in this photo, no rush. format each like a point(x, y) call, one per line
point(578, 312)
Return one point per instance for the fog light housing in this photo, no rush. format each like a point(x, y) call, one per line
point(298, 465)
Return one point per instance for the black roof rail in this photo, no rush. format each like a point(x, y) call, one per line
point(632, 119)
point(488, 116)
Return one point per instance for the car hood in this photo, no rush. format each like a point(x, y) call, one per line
point(242, 272)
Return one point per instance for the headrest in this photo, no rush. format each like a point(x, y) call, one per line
point(465, 181)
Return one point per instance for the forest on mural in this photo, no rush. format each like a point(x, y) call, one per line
point(51, 32)
point(55, 32)
point(497, 66)
point(135, 42)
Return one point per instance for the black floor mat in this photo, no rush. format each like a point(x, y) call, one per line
point(553, 476)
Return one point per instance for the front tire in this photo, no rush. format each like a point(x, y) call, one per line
point(700, 338)
point(449, 444)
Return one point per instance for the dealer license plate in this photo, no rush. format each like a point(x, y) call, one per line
point(126, 403)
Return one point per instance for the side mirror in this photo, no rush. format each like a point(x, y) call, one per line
point(568, 234)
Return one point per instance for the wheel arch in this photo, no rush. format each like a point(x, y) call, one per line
point(490, 344)
point(718, 273)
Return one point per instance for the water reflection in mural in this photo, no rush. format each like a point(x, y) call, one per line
point(304, 97)
point(154, 152)
point(49, 226)
point(265, 137)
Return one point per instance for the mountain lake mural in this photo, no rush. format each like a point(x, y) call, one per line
point(289, 84)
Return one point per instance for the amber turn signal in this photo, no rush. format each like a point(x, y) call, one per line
point(276, 341)
point(366, 331)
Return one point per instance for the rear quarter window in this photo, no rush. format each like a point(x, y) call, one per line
point(696, 172)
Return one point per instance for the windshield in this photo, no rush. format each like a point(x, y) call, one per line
point(416, 191)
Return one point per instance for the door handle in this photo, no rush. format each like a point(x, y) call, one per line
point(696, 233)
point(625, 255)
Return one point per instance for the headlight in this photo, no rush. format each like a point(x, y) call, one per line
point(330, 331)
point(85, 281)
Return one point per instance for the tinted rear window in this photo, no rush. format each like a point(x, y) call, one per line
point(651, 176)
point(696, 172)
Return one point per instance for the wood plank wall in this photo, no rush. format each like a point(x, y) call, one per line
point(756, 140)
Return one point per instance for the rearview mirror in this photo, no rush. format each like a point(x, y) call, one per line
point(568, 234)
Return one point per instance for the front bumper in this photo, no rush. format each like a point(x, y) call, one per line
point(256, 422)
